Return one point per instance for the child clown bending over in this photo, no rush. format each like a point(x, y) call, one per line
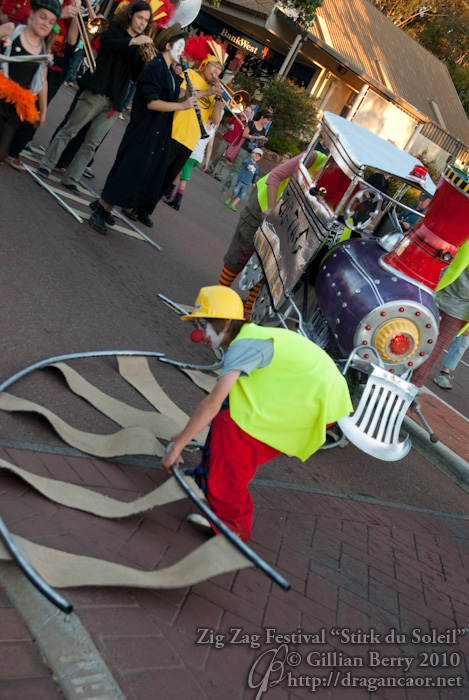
point(283, 391)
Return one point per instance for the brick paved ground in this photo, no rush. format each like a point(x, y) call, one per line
point(450, 426)
point(24, 672)
point(352, 566)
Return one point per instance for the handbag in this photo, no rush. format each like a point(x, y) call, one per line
point(234, 148)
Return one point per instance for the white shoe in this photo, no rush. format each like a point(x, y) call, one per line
point(443, 381)
point(200, 523)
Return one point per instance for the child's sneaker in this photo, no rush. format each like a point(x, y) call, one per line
point(228, 202)
point(443, 381)
point(200, 523)
point(230, 206)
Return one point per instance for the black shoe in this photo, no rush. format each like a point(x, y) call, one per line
point(145, 219)
point(132, 215)
point(97, 222)
point(43, 172)
point(175, 203)
point(72, 188)
point(108, 217)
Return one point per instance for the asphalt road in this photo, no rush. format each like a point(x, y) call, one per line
point(65, 288)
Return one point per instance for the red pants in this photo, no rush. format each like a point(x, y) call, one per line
point(234, 458)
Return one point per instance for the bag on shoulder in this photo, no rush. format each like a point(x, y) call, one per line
point(233, 149)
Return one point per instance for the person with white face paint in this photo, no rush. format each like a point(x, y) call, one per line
point(136, 177)
point(283, 392)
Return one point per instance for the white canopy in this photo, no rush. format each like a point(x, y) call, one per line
point(365, 149)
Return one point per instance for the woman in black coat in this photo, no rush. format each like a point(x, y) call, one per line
point(135, 180)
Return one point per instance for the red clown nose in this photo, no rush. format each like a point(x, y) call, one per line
point(197, 335)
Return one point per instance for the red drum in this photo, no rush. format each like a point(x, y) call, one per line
point(427, 250)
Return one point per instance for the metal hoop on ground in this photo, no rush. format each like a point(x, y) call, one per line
point(235, 541)
point(30, 573)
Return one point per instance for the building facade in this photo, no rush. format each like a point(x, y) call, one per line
point(354, 62)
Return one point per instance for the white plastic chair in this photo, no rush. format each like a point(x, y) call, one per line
point(375, 425)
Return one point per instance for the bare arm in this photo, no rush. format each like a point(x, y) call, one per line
point(70, 12)
point(212, 90)
point(217, 112)
point(163, 106)
point(6, 29)
point(282, 172)
point(42, 102)
point(202, 416)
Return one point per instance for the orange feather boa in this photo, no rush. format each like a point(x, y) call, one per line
point(23, 100)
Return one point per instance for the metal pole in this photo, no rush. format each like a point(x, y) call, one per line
point(72, 356)
point(31, 573)
point(122, 217)
point(252, 556)
point(62, 203)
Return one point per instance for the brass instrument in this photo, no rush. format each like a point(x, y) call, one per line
point(94, 26)
point(147, 51)
point(237, 102)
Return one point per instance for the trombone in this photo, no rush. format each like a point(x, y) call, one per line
point(237, 101)
point(94, 26)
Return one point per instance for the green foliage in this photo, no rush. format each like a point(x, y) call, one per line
point(244, 81)
point(460, 77)
point(282, 145)
point(304, 11)
point(295, 116)
point(433, 171)
point(412, 194)
point(442, 28)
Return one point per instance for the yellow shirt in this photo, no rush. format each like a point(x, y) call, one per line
point(186, 127)
point(288, 404)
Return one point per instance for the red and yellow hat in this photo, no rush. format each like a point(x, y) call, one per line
point(203, 49)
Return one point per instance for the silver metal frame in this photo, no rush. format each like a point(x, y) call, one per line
point(122, 217)
point(73, 356)
point(19, 558)
point(37, 581)
point(57, 197)
point(234, 539)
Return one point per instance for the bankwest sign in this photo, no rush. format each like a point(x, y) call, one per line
point(243, 43)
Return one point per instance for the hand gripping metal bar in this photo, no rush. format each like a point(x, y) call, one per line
point(241, 546)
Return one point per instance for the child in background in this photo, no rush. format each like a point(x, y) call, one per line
point(246, 179)
point(199, 156)
point(22, 85)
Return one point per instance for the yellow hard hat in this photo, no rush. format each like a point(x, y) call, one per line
point(217, 302)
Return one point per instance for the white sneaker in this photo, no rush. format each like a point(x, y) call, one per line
point(200, 523)
point(443, 381)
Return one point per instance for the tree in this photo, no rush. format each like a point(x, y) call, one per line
point(303, 11)
point(442, 28)
point(295, 117)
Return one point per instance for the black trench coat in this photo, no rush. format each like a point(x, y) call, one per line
point(136, 178)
